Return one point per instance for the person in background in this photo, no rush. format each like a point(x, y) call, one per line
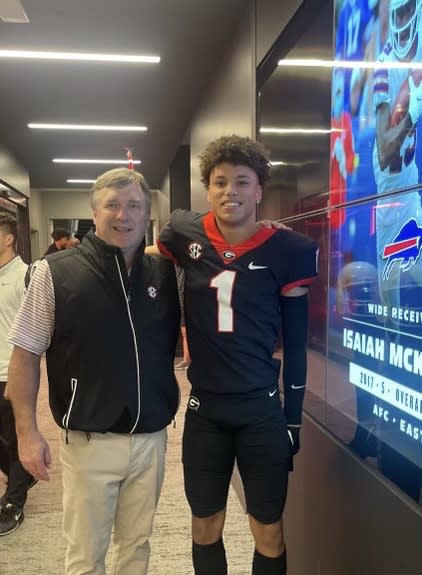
point(60, 237)
point(72, 242)
point(242, 287)
point(107, 317)
point(12, 273)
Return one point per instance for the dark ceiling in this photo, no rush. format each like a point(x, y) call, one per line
point(190, 36)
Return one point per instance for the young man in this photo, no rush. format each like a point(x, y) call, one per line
point(12, 273)
point(107, 317)
point(241, 287)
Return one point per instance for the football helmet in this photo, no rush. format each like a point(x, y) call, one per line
point(403, 25)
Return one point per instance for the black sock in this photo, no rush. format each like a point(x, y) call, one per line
point(209, 559)
point(269, 565)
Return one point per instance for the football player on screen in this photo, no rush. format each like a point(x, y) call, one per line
point(242, 286)
point(398, 107)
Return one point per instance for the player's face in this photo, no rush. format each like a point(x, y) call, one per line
point(233, 193)
point(404, 22)
point(121, 217)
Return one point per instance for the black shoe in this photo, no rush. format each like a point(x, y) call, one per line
point(11, 516)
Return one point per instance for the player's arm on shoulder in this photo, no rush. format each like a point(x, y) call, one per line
point(169, 237)
point(390, 138)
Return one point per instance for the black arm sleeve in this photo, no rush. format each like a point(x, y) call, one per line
point(294, 333)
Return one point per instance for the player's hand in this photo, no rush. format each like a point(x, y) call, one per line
point(272, 224)
point(415, 100)
point(5, 393)
point(34, 454)
point(293, 431)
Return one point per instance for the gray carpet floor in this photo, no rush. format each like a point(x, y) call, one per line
point(37, 546)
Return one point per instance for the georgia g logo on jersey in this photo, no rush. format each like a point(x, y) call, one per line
point(195, 250)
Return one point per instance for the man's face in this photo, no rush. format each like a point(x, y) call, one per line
point(121, 217)
point(62, 243)
point(233, 193)
point(6, 241)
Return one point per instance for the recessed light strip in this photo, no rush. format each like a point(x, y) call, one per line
point(72, 181)
point(298, 130)
point(351, 64)
point(79, 56)
point(92, 127)
point(93, 161)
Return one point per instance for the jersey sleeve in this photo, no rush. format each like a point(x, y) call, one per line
point(301, 262)
point(169, 237)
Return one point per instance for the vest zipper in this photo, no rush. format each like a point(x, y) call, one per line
point(135, 341)
point(73, 386)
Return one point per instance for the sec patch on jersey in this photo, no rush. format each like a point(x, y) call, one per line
point(401, 105)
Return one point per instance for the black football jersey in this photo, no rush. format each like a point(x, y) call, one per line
point(232, 298)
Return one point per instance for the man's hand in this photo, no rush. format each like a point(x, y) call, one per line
point(3, 478)
point(34, 454)
point(293, 431)
point(5, 393)
point(415, 100)
point(272, 224)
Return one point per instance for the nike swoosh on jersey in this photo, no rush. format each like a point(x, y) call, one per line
point(253, 267)
point(272, 393)
point(297, 386)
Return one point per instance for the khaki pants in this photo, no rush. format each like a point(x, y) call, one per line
point(110, 480)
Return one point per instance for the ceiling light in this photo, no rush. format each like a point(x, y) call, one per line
point(298, 130)
point(80, 181)
point(79, 56)
point(295, 164)
point(85, 161)
point(364, 64)
point(93, 127)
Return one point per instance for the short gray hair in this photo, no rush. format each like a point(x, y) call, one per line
point(119, 178)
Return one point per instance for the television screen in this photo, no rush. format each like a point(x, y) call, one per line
point(375, 230)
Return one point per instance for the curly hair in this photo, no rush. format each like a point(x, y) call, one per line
point(238, 151)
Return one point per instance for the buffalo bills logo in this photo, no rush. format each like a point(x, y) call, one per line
point(405, 248)
point(195, 250)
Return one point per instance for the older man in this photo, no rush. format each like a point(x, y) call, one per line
point(105, 315)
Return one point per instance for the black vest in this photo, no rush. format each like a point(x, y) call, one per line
point(110, 362)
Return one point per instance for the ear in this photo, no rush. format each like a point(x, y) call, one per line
point(258, 194)
point(9, 240)
point(209, 196)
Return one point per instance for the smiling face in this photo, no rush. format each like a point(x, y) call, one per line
point(121, 217)
point(233, 193)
